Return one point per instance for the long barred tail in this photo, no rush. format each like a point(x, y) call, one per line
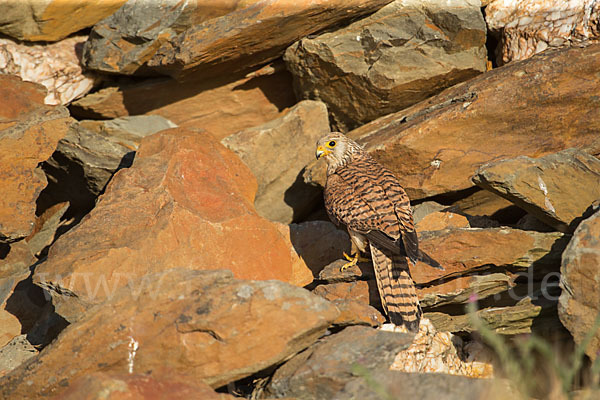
point(396, 288)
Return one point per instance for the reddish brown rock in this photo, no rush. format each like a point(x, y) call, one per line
point(361, 291)
point(197, 35)
point(51, 20)
point(472, 265)
point(251, 35)
point(578, 306)
point(353, 312)
point(302, 273)
point(221, 107)
point(442, 220)
point(186, 200)
point(462, 250)
point(435, 146)
point(100, 386)
point(29, 132)
point(204, 325)
point(513, 270)
point(557, 189)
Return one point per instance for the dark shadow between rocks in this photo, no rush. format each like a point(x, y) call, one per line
point(244, 388)
point(492, 44)
point(509, 215)
point(26, 303)
point(449, 198)
point(126, 162)
point(281, 99)
point(67, 183)
point(4, 250)
point(506, 216)
point(366, 274)
point(586, 214)
point(374, 298)
point(142, 96)
point(161, 92)
point(153, 93)
point(47, 327)
point(302, 198)
point(547, 265)
point(32, 306)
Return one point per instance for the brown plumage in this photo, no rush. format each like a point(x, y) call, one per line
point(368, 199)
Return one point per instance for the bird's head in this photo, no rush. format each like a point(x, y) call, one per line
point(336, 149)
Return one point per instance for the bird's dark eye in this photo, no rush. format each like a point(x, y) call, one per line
point(331, 144)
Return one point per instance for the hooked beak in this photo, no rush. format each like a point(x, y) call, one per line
point(321, 151)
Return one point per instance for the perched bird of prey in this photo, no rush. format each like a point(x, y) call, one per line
point(368, 199)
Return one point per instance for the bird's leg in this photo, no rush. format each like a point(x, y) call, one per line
point(353, 259)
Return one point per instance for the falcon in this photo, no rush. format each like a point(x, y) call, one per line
point(366, 197)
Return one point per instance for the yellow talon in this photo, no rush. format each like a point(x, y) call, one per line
point(353, 261)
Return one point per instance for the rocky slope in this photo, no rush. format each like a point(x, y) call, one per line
point(162, 231)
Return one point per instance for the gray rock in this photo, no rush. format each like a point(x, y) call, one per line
point(579, 303)
point(324, 369)
point(130, 130)
point(91, 153)
point(558, 189)
point(421, 210)
point(15, 353)
point(509, 320)
point(277, 152)
point(46, 228)
point(402, 54)
point(383, 384)
point(124, 41)
point(332, 272)
point(483, 286)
